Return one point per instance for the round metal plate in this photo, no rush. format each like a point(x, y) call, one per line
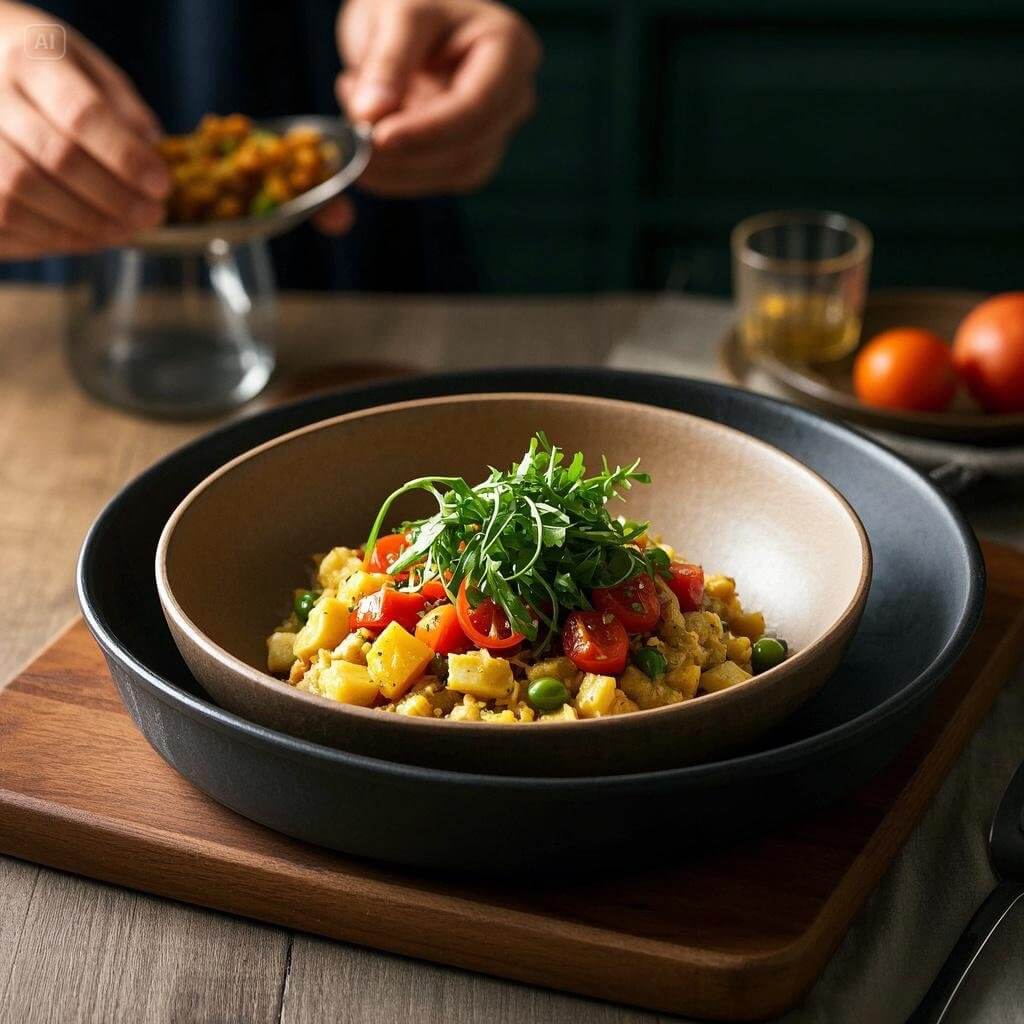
point(353, 142)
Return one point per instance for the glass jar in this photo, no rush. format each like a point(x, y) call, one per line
point(800, 280)
point(174, 334)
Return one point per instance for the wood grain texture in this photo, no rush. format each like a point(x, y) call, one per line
point(172, 962)
point(363, 986)
point(81, 790)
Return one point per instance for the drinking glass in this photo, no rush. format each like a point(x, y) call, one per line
point(800, 280)
point(175, 334)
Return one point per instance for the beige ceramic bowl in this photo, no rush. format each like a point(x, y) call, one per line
point(235, 548)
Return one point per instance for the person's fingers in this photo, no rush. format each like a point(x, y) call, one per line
point(26, 183)
point(403, 35)
point(336, 218)
point(344, 90)
point(431, 153)
point(31, 234)
point(496, 68)
point(29, 132)
point(460, 167)
point(73, 104)
point(427, 159)
point(120, 90)
point(397, 182)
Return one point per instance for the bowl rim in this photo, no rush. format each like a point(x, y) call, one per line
point(774, 760)
point(705, 704)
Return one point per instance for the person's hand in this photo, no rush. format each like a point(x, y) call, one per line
point(445, 84)
point(78, 170)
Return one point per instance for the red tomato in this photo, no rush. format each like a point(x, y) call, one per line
point(439, 629)
point(385, 551)
point(988, 352)
point(634, 603)
point(375, 611)
point(686, 581)
point(433, 591)
point(486, 624)
point(595, 642)
point(905, 368)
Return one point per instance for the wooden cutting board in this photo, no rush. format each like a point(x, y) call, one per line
point(737, 934)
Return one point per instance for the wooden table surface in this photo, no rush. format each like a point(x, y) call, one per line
point(75, 950)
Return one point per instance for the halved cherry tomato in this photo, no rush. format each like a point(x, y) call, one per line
point(686, 581)
point(486, 624)
point(595, 642)
point(634, 603)
point(375, 611)
point(439, 629)
point(385, 551)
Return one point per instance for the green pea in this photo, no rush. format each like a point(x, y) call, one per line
point(767, 653)
point(261, 205)
point(547, 693)
point(650, 661)
point(304, 604)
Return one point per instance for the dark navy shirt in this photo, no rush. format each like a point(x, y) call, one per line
point(266, 59)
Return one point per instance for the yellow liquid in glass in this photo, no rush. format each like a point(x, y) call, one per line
point(802, 328)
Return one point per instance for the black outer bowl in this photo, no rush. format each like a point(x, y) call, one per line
point(925, 600)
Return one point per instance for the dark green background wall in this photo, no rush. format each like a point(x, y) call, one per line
point(660, 124)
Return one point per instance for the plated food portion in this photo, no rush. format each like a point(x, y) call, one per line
point(522, 599)
point(404, 488)
point(228, 168)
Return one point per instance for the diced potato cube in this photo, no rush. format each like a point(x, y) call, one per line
point(721, 677)
point(595, 696)
point(347, 683)
point(336, 567)
point(396, 660)
point(722, 588)
point(326, 627)
point(415, 705)
point(685, 679)
point(359, 584)
point(748, 624)
point(480, 675)
point(279, 652)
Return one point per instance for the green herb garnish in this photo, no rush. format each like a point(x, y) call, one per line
point(262, 204)
point(536, 539)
